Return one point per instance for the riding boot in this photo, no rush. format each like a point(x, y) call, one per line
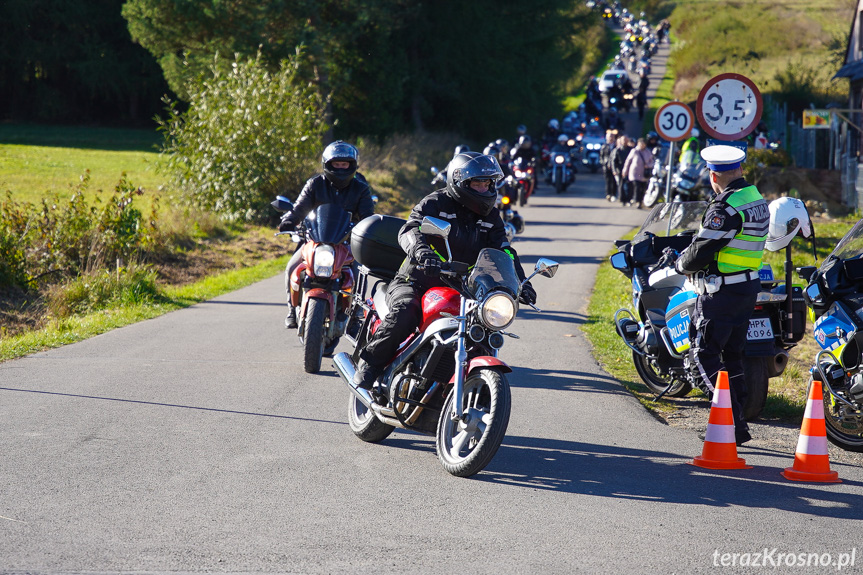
point(291, 318)
point(366, 375)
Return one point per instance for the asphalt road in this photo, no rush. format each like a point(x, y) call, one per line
point(195, 442)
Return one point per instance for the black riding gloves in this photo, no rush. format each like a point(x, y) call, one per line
point(428, 262)
point(527, 295)
point(286, 225)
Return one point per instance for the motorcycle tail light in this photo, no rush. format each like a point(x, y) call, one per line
point(325, 258)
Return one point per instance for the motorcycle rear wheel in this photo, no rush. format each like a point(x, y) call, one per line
point(465, 448)
point(755, 374)
point(365, 424)
point(656, 382)
point(313, 335)
point(651, 195)
point(845, 433)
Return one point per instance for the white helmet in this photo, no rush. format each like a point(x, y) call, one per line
point(561, 139)
point(788, 218)
point(694, 133)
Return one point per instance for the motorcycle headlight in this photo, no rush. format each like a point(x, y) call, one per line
point(325, 258)
point(558, 159)
point(520, 174)
point(570, 142)
point(497, 311)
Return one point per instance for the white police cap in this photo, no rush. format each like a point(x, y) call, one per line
point(723, 158)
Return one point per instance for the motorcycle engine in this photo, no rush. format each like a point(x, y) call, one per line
point(855, 389)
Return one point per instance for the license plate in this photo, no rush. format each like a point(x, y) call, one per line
point(759, 328)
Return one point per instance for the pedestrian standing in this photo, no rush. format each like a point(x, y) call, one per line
point(618, 158)
point(724, 258)
point(607, 170)
point(636, 170)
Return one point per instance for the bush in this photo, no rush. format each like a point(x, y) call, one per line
point(248, 135)
point(13, 230)
point(102, 289)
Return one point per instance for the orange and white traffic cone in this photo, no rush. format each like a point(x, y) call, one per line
point(811, 461)
point(720, 445)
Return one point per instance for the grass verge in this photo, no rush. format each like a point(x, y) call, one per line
point(78, 328)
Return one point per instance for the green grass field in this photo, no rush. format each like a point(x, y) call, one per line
point(35, 160)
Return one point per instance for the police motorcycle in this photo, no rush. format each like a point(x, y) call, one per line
point(591, 143)
point(658, 331)
point(446, 380)
point(320, 285)
point(691, 183)
point(834, 295)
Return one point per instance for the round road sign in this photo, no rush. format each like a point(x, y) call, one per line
point(674, 121)
point(729, 106)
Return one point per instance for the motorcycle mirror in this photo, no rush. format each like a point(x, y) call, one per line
point(435, 227)
point(546, 267)
point(434, 171)
point(282, 204)
point(374, 199)
point(618, 261)
point(805, 273)
point(813, 292)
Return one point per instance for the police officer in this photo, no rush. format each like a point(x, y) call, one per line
point(467, 203)
point(727, 249)
point(339, 184)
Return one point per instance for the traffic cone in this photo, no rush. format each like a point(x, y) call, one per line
point(811, 462)
point(720, 445)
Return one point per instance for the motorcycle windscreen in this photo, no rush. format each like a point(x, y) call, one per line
point(494, 271)
point(666, 220)
point(328, 224)
point(850, 246)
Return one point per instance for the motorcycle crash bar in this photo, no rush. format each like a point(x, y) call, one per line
point(346, 368)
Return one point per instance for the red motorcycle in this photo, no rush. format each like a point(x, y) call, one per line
point(523, 169)
point(446, 379)
point(321, 285)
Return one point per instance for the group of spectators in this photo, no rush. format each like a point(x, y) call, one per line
point(627, 165)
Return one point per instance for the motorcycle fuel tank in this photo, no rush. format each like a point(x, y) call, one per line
point(439, 300)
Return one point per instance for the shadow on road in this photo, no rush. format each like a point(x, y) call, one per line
point(625, 473)
point(529, 378)
point(173, 405)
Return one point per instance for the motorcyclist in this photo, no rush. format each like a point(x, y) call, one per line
point(689, 150)
point(607, 168)
point(520, 130)
point(613, 121)
point(524, 149)
point(339, 184)
point(728, 249)
point(552, 131)
point(467, 204)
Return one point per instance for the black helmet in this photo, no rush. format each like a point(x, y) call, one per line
point(652, 138)
point(465, 167)
point(525, 142)
point(502, 145)
point(521, 130)
point(460, 150)
point(340, 151)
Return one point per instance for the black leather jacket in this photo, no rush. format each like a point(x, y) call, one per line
point(470, 233)
point(356, 198)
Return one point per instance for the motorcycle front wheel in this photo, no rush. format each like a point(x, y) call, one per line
point(364, 423)
point(466, 447)
point(656, 381)
point(313, 335)
point(842, 431)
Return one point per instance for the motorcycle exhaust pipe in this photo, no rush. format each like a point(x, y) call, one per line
point(776, 365)
point(346, 368)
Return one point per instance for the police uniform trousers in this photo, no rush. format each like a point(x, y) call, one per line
point(721, 321)
point(405, 314)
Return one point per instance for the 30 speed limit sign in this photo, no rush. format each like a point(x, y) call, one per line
point(674, 121)
point(729, 106)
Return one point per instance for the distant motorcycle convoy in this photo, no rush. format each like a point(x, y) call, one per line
point(447, 380)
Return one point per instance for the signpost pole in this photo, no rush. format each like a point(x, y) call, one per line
point(668, 173)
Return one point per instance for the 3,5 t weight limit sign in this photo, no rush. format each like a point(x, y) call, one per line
point(674, 121)
point(729, 106)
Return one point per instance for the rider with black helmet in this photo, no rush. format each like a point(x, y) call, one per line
point(467, 204)
point(339, 184)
